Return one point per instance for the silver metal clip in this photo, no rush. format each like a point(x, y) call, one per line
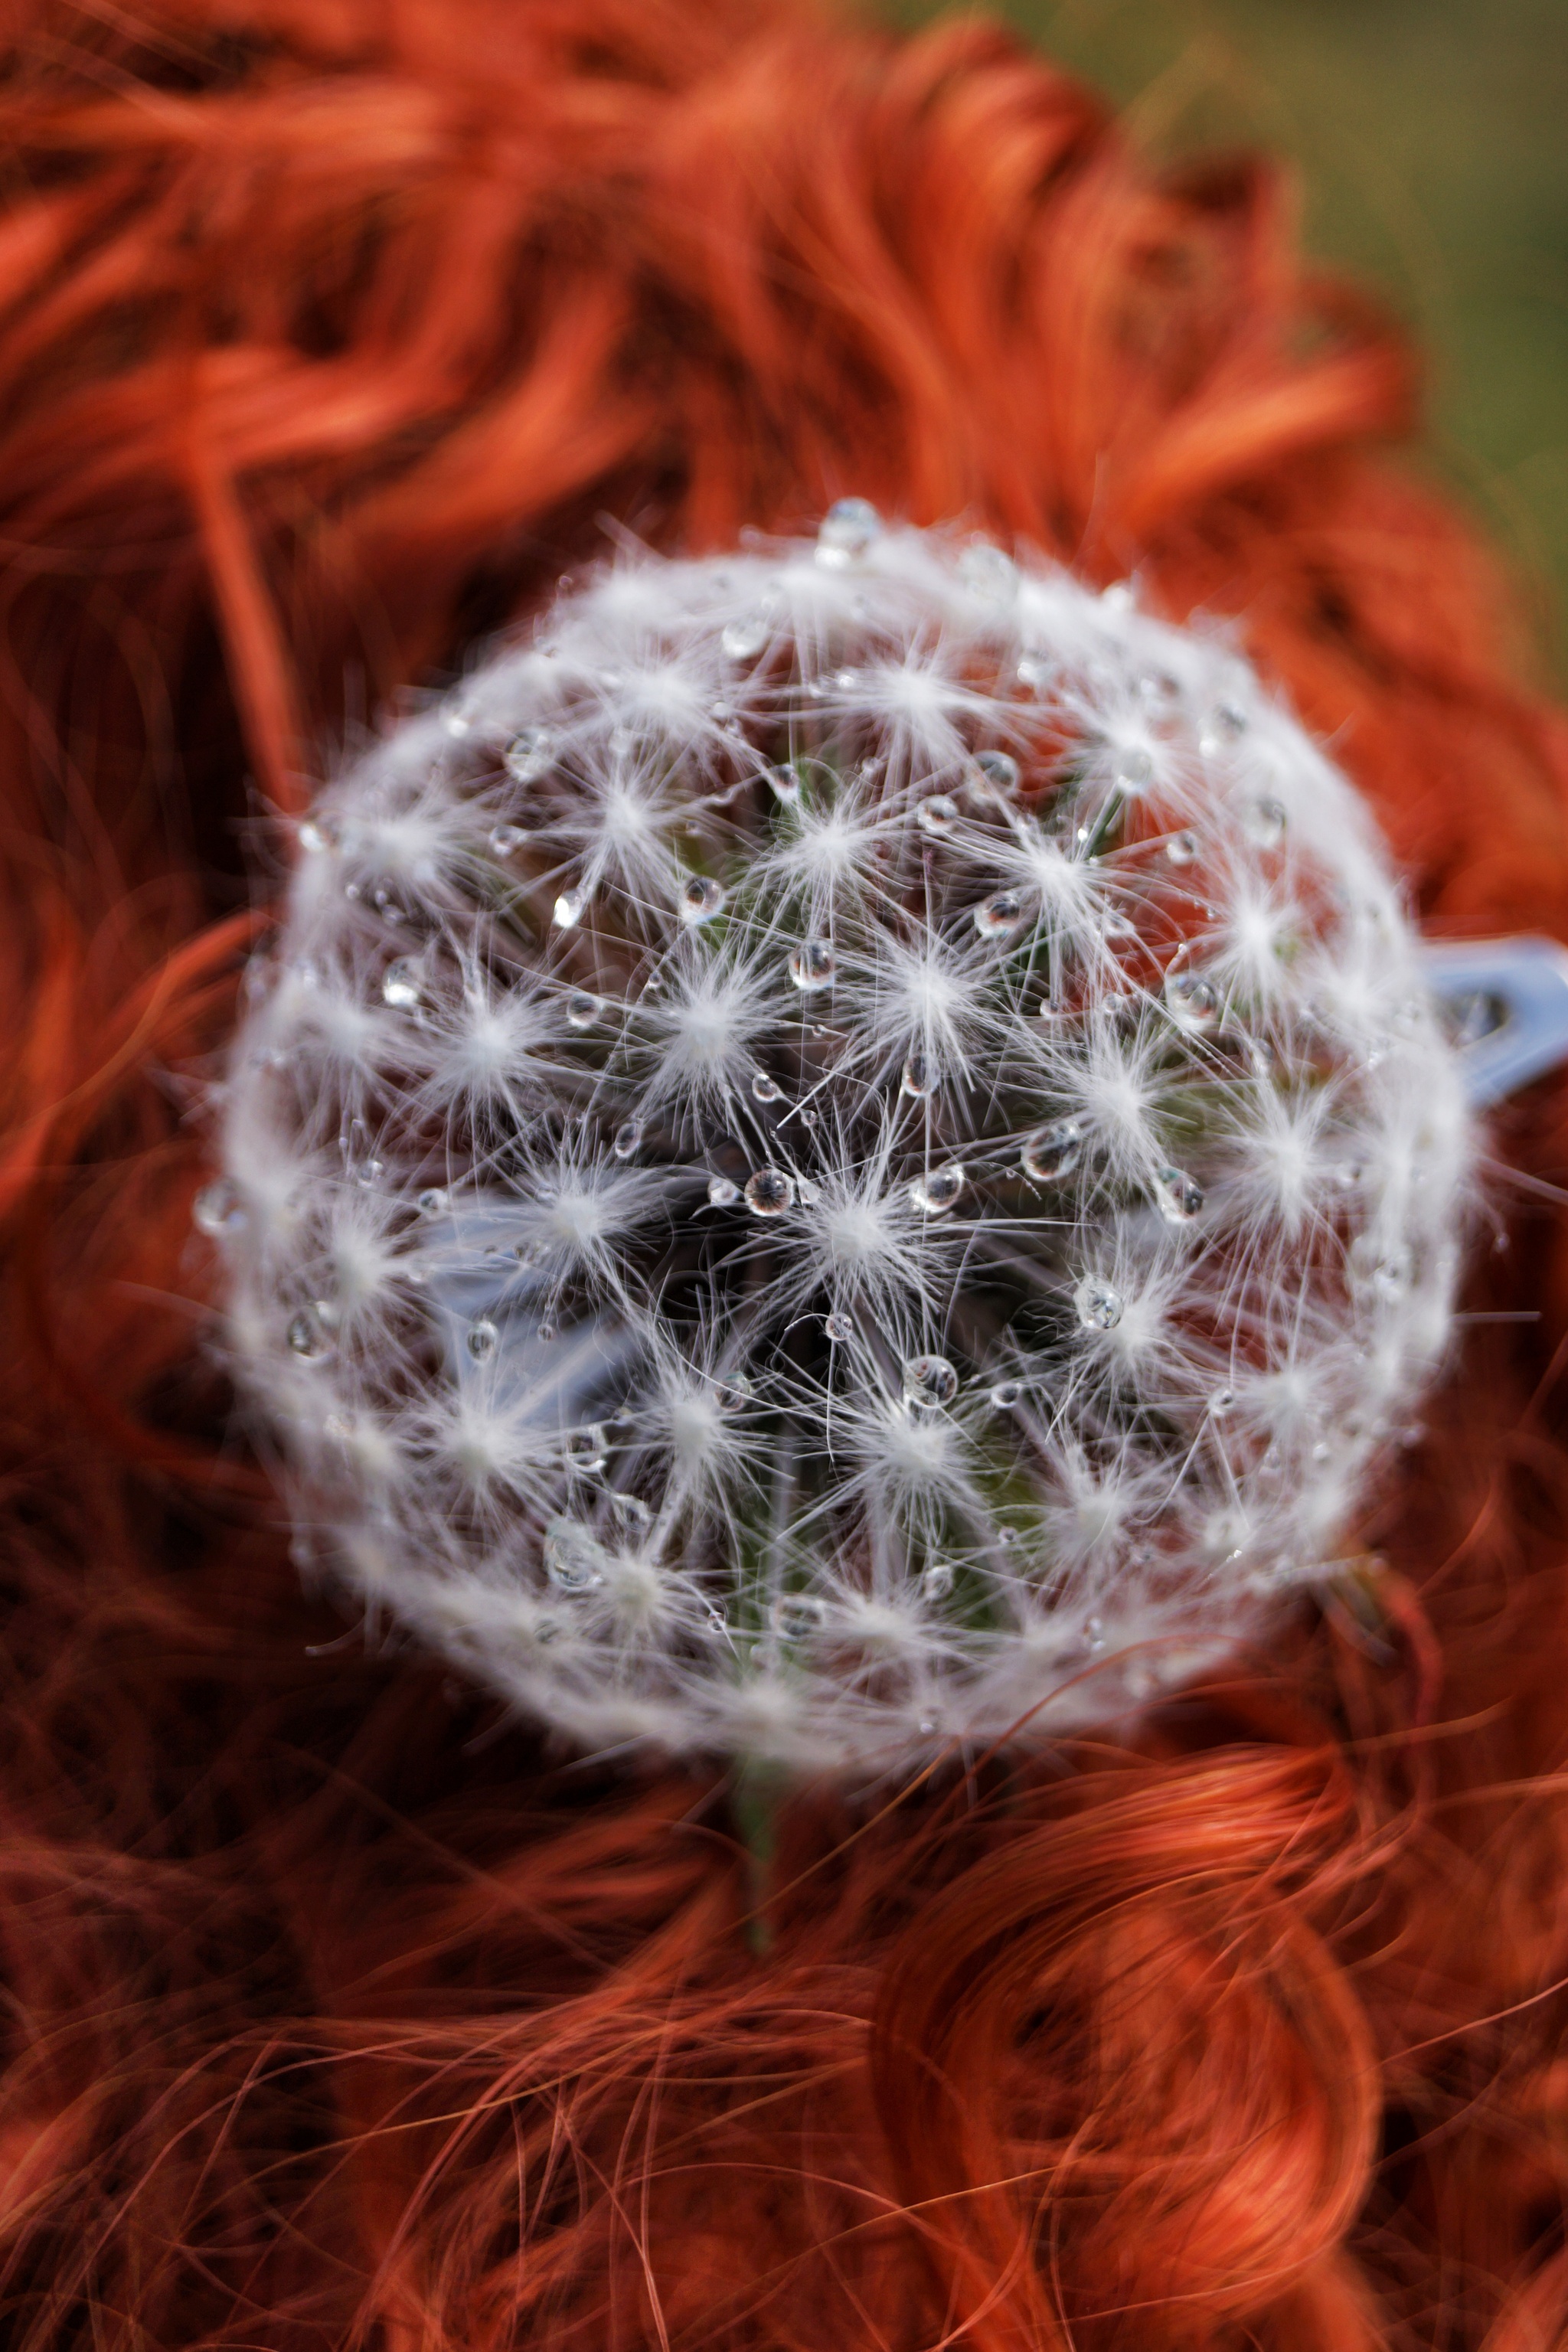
point(1507, 1007)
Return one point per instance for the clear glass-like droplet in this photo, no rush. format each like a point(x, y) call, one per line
point(583, 1008)
point(721, 1193)
point(797, 1616)
point(701, 898)
point(631, 1513)
point(839, 1328)
point(929, 1381)
point(1178, 1195)
point(1221, 1401)
point(785, 784)
point(770, 1192)
point(937, 1580)
point(574, 1558)
point(1192, 1001)
point(937, 814)
point(1227, 721)
point(938, 1188)
point(1007, 1395)
point(481, 1339)
point(1134, 769)
point(1036, 671)
point(217, 1210)
point(919, 1076)
point(733, 1394)
point(505, 839)
point(531, 754)
point(568, 908)
point(626, 1137)
point(1180, 848)
point(812, 966)
point(306, 1337)
point(1000, 769)
point(1001, 912)
point(847, 533)
point(432, 1202)
point(1053, 1151)
point(1099, 1305)
point(988, 573)
point(588, 1450)
point(765, 1090)
point(317, 833)
point(1263, 822)
point(744, 638)
point(400, 985)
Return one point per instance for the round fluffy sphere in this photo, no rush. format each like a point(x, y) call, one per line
point(846, 1150)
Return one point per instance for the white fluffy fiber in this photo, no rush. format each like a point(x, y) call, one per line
point(843, 1150)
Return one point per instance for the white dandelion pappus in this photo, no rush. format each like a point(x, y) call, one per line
point(844, 1150)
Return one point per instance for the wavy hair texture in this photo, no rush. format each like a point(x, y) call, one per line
point(338, 2012)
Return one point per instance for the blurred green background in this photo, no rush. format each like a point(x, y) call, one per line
point(1431, 140)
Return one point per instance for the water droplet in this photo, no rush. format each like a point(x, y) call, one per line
point(573, 1560)
point(701, 898)
point(583, 1008)
point(432, 1202)
point(626, 1137)
point(1134, 769)
point(481, 1339)
point(1180, 848)
point(531, 754)
point(458, 724)
point(217, 1210)
point(733, 1394)
point(546, 1333)
point(1005, 1395)
point(1263, 822)
point(1007, 1538)
point(812, 966)
point(1177, 1196)
point(919, 1076)
point(937, 1580)
point(1383, 1272)
point(317, 833)
point(797, 1616)
point(938, 1188)
point(1001, 912)
point(1221, 1401)
point(785, 784)
point(1053, 1151)
point(721, 1193)
point(744, 638)
point(587, 1451)
point(568, 908)
point(988, 573)
point(1228, 722)
point(505, 839)
point(839, 1328)
point(770, 1192)
point(1035, 672)
point(306, 1337)
point(848, 532)
point(1192, 1001)
point(939, 815)
point(400, 985)
point(1099, 1304)
point(631, 1513)
point(1000, 769)
point(929, 1381)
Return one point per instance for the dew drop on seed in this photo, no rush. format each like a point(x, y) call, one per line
point(999, 913)
point(317, 833)
point(919, 1076)
point(1099, 1304)
point(568, 908)
point(939, 815)
point(797, 1616)
point(1228, 722)
point(574, 1560)
point(587, 1451)
point(769, 1192)
point(929, 1381)
point(786, 786)
point(1263, 822)
point(847, 533)
point(701, 898)
point(432, 1202)
point(1221, 1401)
point(505, 839)
point(839, 1328)
point(744, 638)
point(1000, 769)
point(400, 985)
point(531, 754)
point(1035, 672)
point(1007, 1395)
point(481, 1339)
point(1178, 1196)
point(721, 1193)
point(1192, 1001)
point(457, 725)
point(546, 1333)
point(812, 966)
point(217, 1210)
point(937, 1582)
point(1180, 848)
point(306, 1337)
point(631, 1513)
point(1134, 770)
point(1053, 1151)
point(626, 1137)
point(583, 1008)
point(988, 573)
point(733, 1394)
point(938, 1188)
point(765, 1090)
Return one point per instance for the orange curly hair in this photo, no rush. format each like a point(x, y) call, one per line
point(338, 2012)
